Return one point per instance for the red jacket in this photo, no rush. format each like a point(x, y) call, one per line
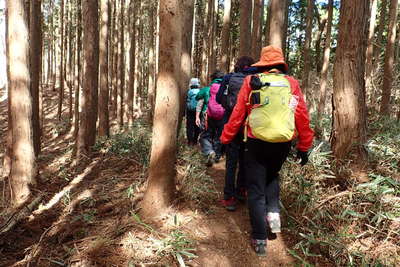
point(304, 133)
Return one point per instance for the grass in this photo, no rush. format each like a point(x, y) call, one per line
point(353, 225)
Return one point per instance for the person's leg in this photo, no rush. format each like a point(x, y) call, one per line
point(190, 126)
point(255, 176)
point(276, 155)
point(230, 169)
point(205, 139)
point(218, 146)
point(241, 178)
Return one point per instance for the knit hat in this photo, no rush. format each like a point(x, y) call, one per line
point(271, 56)
point(194, 82)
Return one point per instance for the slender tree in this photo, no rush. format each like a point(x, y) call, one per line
point(62, 71)
point(324, 71)
point(88, 118)
point(349, 111)
point(381, 28)
point(35, 68)
point(306, 49)
point(277, 16)
point(132, 63)
point(226, 24)
point(161, 185)
point(389, 59)
point(245, 28)
point(104, 128)
point(370, 48)
point(23, 167)
point(257, 22)
point(121, 80)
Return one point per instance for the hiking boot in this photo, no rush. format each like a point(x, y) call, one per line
point(259, 247)
point(210, 159)
point(229, 204)
point(274, 221)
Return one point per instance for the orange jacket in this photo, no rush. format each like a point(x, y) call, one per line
point(303, 131)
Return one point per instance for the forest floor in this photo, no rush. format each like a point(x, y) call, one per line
point(88, 214)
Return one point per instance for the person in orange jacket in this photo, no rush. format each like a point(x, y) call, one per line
point(263, 160)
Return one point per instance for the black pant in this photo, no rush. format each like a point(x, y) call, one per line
point(263, 161)
point(234, 159)
point(192, 131)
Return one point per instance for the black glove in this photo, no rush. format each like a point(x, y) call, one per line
point(303, 155)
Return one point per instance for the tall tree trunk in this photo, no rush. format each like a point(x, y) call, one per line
point(121, 67)
point(267, 27)
point(132, 65)
point(324, 71)
point(35, 68)
point(161, 184)
point(104, 128)
point(306, 50)
point(61, 77)
point(381, 29)
point(245, 28)
point(257, 22)
point(78, 67)
point(206, 36)
point(226, 24)
point(69, 69)
point(23, 167)
point(277, 28)
point(321, 30)
point(370, 48)
point(152, 89)
point(349, 111)
point(389, 59)
point(8, 151)
point(88, 118)
point(114, 103)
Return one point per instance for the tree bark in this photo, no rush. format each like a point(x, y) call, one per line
point(256, 43)
point(104, 128)
point(35, 68)
point(152, 89)
point(245, 28)
point(389, 59)
point(226, 24)
point(23, 166)
point(306, 50)
point(132, 65)
point(121, 66)
point(370, 48)
point(324, 71)
point(88, 118)
point(349, 111)
point(277, 28)
point(161, 185)
point(78, 67)
point(61, 77)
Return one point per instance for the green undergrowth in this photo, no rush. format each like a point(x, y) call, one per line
point(132, 142)
point(353, 225)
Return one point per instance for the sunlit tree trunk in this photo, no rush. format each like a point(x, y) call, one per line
point(8, 150)
point(61, 76)
point(104, 128)
point(389, 59)
point(349, 111)
point(277, 30)
point(321, 30)
point(306, 49)
point(121, 67)
point(77, 81)
point(35, 68)
point(161, 184)
point(245, 28)
point(23, 167)
point(370, 48)
point(226, 24)
point(324, 71)
point(152, 89)
point(381, 28)
point(88, 118)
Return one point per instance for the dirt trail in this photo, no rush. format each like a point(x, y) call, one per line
point(229, 232)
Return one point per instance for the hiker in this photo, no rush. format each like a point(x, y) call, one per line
point(276, 113)
point(192, 130)
point(209, 115)
point(234, 189)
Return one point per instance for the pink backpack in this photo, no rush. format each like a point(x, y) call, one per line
point(214, 110)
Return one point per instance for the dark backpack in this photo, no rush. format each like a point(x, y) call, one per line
point(229, 96)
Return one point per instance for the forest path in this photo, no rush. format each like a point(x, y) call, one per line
point(229, 244)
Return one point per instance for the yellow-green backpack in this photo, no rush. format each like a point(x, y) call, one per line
point(273, 107)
